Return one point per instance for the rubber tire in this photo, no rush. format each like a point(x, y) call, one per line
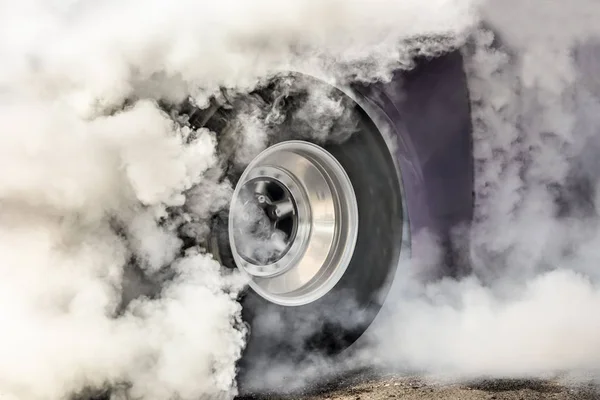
point(329, 325)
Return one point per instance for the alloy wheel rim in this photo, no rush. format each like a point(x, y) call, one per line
point(293, 223)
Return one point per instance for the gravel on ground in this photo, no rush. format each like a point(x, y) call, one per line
point(410, 388)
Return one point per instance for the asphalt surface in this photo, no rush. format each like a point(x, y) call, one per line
point(413, 388)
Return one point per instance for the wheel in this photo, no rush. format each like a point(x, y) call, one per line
point(341, 211)
point(319, 226)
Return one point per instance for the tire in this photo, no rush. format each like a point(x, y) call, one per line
point(411, 166)
point(330, 324)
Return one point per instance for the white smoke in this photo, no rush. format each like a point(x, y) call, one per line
point(96, 290)
point(528, 309)
point(65, 184)
point(93, 170)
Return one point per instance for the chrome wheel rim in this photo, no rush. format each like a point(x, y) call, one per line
point(293, 223)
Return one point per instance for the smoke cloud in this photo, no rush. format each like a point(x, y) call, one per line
point(528, 308)
point(106, 194)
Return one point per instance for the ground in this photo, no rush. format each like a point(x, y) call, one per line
point(415, 389)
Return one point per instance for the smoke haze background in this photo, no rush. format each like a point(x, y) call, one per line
point(97, 182)
point(530, 307)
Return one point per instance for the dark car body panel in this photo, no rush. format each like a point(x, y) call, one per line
point(428, 109)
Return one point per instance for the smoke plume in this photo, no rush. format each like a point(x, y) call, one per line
point(106, 194)
point(107, 191)
point(527, 309)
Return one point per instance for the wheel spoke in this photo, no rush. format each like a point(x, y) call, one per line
point(260, 188)
point(283, 209)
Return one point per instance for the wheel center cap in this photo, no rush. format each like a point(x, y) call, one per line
point(266, 222)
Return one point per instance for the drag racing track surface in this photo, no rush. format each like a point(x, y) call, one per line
point(366, 387)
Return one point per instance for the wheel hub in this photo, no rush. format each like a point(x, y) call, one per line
point(293, 223)
point(267, 225)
